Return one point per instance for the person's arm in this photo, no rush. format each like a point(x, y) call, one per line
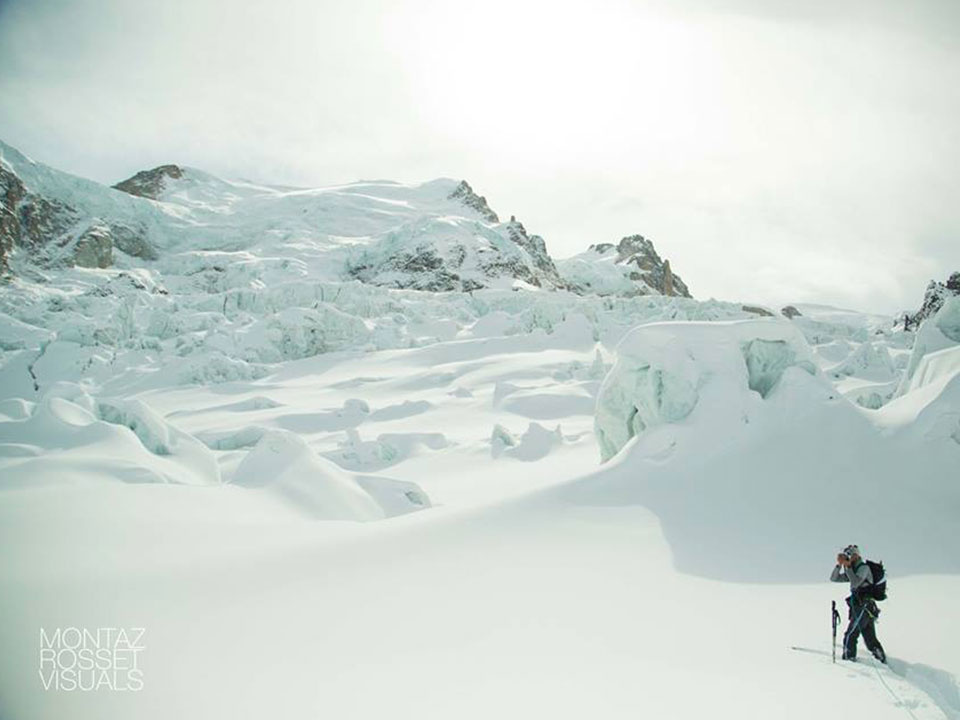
point(839, 573)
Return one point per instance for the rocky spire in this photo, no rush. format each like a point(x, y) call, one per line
point(637, 269)
point(638, 251)
point(465, 194)
point(933, 300)
point(537, 249)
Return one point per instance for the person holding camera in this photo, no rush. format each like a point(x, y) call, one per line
point(863, 611)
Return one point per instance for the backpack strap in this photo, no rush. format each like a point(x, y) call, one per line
point(867, 586)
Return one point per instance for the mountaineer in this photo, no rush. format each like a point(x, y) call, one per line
point(867, 585)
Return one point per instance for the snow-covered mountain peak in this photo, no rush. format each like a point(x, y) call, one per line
point(465, 194)
point(632, 267)
point(638, 251)
point(150, 183)
point(628, 248)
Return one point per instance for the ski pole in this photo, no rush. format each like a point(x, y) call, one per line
point(834, 615)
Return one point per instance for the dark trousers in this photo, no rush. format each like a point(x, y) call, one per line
point(862, 621)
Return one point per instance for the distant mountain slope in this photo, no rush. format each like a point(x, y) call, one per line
point(53, 219)
point(434, 236)
point(438, 235)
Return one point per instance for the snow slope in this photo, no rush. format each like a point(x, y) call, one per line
point(541, 582)
point(322, 497)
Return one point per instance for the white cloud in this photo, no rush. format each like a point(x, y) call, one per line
point(771, 153)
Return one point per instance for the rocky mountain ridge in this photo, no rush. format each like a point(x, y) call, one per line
point(933, 299)
point(465, 194)
point(52, 232)
point(438, 236)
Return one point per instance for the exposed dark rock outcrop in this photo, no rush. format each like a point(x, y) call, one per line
point(465, 194)
point(421, 268)
point(933, 300)
point(29, 222)
point(756, 310)
point(463, 256)
point(639, 251)
point(50, 232)
point(643, 268)
point(93, 248)
point(150, 183)
point(441, 269)
point(790, 312)
point(11, 193)
point(537, 249)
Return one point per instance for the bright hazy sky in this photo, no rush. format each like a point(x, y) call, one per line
point(775, 151)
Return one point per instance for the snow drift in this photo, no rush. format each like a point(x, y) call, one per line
point(283, 466)
point(70, 437)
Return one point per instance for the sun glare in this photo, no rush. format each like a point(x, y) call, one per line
point(542, 80)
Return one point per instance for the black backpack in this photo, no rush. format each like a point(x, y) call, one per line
point(878, 589)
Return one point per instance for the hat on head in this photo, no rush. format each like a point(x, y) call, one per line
point(851, 550)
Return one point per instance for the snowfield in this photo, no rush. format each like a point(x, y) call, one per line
point(322, 497)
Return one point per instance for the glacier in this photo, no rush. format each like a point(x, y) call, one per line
point(327, 477)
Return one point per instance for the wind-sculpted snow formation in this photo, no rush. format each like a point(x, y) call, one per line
point(864, 355)
point(283, 466)
point(928, 398)
point(667, 371)
point(940, 332)
point(71, 438)
point(728, 432)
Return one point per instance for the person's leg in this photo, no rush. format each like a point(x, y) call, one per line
point(858, 615)
point(851, 636)
point(870, 638)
